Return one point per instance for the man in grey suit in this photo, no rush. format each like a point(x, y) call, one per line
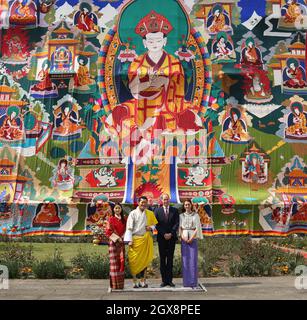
point(167, 227)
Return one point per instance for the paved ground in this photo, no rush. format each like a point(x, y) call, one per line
point(266, 288)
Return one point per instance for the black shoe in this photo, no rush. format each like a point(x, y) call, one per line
point(171, 284)
point(145, 285)
point(163, 284)
point(135, 286)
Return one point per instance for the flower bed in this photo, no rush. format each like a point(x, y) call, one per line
point(217, 257)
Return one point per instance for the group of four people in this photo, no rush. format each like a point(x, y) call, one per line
point(137, 231)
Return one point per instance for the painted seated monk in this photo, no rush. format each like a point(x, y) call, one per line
point(251, 55)
point(293, 11)
point(235, 128)
point(47, 216)
point(85, 20)
point(45, 84)
point(11, 128)
point(156, 82)
point(295, 74)
point(67, 120)
point(82, 78)
point(219, 20)
point(297, 122)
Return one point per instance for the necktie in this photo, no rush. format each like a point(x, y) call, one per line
point(166, 213)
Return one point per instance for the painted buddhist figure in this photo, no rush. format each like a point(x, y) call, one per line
point(222, 49)
point(294, 74)
point(257, 87)
point(297, 121)
point(23, 12)
point(46, 5)
point(63, 176)
point(61, 60)
point(251, 55)
point(299, 210)
point(47, 215)
point(218, 20)
point(67, 120)
point(15, 46)
point(234, 128)
point(99, 212)
point(45, 88)
point(11, 125)
point(82, 78)
point(85, 19)
point(15, 49)
point(254, 169)
point(63, 172)
point(293, 11)
point(156, 82)
point(4, 6)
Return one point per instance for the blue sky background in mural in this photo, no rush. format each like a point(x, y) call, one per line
point(248, 6)
point(100, 3)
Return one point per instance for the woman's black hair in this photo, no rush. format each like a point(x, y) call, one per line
point(63, 161)
point(122, 212)
point(142, 198)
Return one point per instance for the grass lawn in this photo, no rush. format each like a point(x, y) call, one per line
point(42, 251)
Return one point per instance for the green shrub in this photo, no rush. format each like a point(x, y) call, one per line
point(244, 257)
point(177, 270)
point(16, 257)
point(212, 250)
point(52, 268)
point(263, 260)
point(95, 266)
point(177, 267)
point(14, 269)
point(15, 252)
point(4, 238)
point(80, 260)
point(128, 274)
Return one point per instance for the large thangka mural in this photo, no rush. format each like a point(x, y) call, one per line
point(105, 101)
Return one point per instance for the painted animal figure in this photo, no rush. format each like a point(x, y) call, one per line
point(105, 177)
point(196, 176)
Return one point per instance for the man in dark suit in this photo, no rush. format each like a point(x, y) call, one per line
point(167, 227)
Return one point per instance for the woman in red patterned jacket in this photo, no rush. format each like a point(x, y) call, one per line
point(115, 232)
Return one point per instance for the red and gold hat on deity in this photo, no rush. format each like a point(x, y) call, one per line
point(153, 22)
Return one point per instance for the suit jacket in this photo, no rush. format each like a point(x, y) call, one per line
point(170, 226)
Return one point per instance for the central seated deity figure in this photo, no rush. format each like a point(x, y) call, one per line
point(156, 82)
